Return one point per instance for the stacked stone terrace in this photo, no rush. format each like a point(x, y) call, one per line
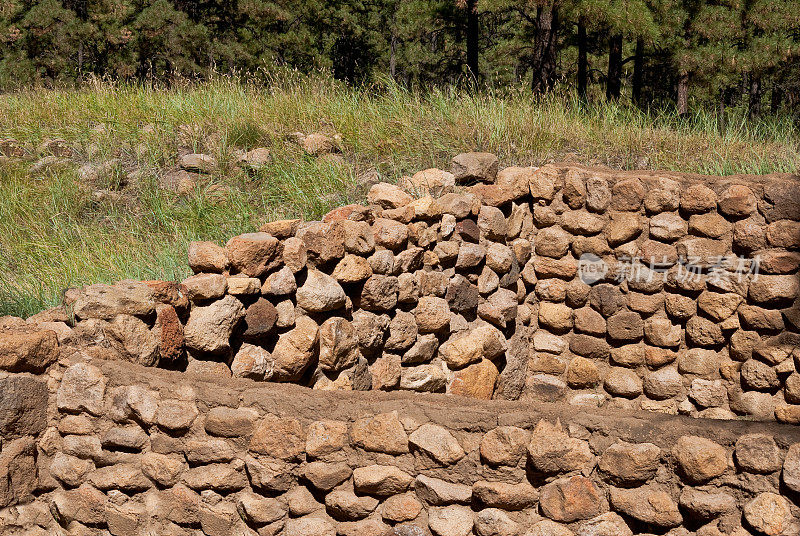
point(572, 297)
point(473, 288)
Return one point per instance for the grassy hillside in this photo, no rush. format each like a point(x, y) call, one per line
point(61, 227)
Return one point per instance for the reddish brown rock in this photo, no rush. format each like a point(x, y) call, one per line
point(252, 253)
point(737, 201)
point(475, 381)
point(27, 349)
point(571, 499)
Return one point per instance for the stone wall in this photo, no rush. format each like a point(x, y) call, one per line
point(633, 290)
point(488, 291)
point(120, 449)
point(574, 298)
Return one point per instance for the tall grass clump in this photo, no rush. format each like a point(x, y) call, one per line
point(58, 229)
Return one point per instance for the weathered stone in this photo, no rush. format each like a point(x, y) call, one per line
point(471, 167)
point(437, 443)
point(662, 195)
point(706, 505)
point(320, 293)
point(385, 372)
point(282, 438)
point(774, 289)
point(432, 314)
point(625, 326)
point(458, 205)
point(325, 437)
point(430, 181)
point(82, 389)
point(737, 201)
point(623, 382)
point(475, 381)
point(648, 504)
point(504, 495)
point(700, 459)
point(310, 526)
point(450, 521)
point(606, 298)
point(27, 350)
point(429, 378)
point(380, 480)
point(260, 318)
point(399, 508)
point(598, 194)
point(791, 468)
point(107, 301)
point(663, 383)
point(504, 445)
point(132, 340)
point(462, 350)
point(759, 376)
point(326, 476)
point(422, 351)
point(438, 492)
point(717, 305)
point(207, 257)
point(552, 242)
point(388, 196)
point(258, 510)
point(124, 477)
point(347, 505)
point(379, 293)
point(582, 373)
point(580, 222)
point(338, 345)
point(470, 255)
point(768, 513)
point(515, 180)
point(229, 422)
point(197, 162)
point(85, 505)
point(757, 453)
point(462, 296)
point(381, 433)
point(667, 227)
point(571, 499)
point(628, 463)
point(252, 361)
point(209, 328)
point(252, 253)
point(708, 393)
point(703, 332)
point(495, 522)
point(698, 198)
point(555, 316)
point(552, 451)
point(294, 350)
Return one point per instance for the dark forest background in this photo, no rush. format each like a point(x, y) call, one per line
point(713, 54)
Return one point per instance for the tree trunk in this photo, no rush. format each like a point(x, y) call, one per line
point(583, 62)
point(754, 105)
point(776, 100)
point(545, 49)
point(683, 94)
point(638, 72)
point(472, 38)
point(614, 81)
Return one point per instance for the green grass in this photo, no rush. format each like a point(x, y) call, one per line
point(54, 234)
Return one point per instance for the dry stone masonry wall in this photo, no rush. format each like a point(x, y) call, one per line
point(118, 449)
point(573, 297)
point(632, 290)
